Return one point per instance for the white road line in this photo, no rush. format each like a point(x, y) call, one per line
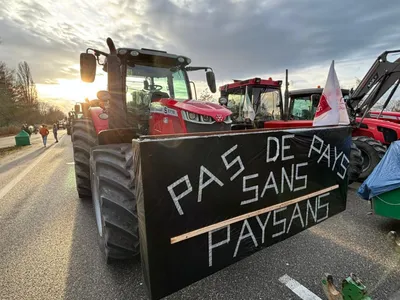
point(5, 190)
point(298, 289)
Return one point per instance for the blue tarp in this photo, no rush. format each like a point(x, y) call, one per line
point(386, 175)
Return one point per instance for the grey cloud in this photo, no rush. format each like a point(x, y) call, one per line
point(238, 39)
point(243, 39)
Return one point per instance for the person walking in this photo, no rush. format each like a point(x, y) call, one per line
point(55, 129)
point(44, 132)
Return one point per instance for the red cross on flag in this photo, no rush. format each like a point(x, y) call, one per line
point(331, 108)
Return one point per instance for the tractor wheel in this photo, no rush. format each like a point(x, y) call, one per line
point(83, 139)
point(114, 200)
point(356, 163)
point(372, 152)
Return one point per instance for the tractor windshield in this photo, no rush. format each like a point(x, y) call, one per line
point(144, 83)
point(303, 108)
point(265, 101)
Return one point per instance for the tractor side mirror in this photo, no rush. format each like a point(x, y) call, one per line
point(211, 81)
point(103, 96)
point(88, 67)
point(77, 108)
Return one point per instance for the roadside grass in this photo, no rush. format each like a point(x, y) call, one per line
point(8, 150)
point(9, 130)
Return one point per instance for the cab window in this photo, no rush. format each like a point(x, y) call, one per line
point(302, 108)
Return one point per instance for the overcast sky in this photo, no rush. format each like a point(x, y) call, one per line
point(237, 38)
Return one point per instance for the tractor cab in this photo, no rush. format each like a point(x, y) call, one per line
point(303, 103)
point(264, 97)
point(151, 92)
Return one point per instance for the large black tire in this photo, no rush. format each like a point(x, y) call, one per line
point(114, 201)
point(83, 139)
point(372, 152)
point(356, 163)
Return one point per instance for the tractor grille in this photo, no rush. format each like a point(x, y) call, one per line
point(194, 127)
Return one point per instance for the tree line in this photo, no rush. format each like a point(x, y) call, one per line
point(19, 101)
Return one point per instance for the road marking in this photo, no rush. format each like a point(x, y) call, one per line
point(71, 163)
point(4, 191)
point(298, 289)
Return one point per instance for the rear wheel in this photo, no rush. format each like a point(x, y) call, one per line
point(372, 152)
point(83, 139)
point(356, 163)
point(114, 200)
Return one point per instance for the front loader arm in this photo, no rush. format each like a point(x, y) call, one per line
point(379, 79)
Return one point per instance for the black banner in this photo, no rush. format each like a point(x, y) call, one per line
point(206, 202)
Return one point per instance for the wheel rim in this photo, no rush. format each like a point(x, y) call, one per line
point(96, 202)
point(366, 161)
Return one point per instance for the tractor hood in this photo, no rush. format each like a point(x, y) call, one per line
point(215, 111)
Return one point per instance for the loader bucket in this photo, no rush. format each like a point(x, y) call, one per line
point(207, 201)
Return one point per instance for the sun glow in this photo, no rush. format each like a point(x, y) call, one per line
point(73, 90)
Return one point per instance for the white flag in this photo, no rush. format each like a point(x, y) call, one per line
point(329, 111)
point(248, 111)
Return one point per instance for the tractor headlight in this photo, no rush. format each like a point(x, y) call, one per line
point(206, 119)
point(192, 116)
point(196, 118)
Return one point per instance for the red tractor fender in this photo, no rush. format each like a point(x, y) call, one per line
point(377, 129)
point(391, 116)
point(99, 119)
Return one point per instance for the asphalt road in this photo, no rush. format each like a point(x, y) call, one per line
point(48, 246)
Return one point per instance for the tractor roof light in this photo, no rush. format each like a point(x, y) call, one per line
point(258, 80)
point(188, 60)
point(181, 59)
point(134, 53)
point(122, 51)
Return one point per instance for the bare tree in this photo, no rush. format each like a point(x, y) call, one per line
point(206, 96)
point(7, 95)
point(26, 86)
point(396, 106)
point(43, 108)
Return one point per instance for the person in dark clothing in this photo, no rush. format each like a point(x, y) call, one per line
point(55, 129)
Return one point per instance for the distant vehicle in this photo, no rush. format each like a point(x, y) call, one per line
point(61, 124)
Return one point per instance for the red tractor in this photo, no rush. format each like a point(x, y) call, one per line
point(370, 134)
point(373, 130)
point(148, 93)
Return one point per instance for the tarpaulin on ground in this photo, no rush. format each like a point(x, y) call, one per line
point(207, 201)
point(386, 175)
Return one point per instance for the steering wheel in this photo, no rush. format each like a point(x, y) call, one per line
point(156, 87)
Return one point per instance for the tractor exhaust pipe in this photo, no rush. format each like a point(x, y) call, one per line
point(286, 103)
point(117, 106)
